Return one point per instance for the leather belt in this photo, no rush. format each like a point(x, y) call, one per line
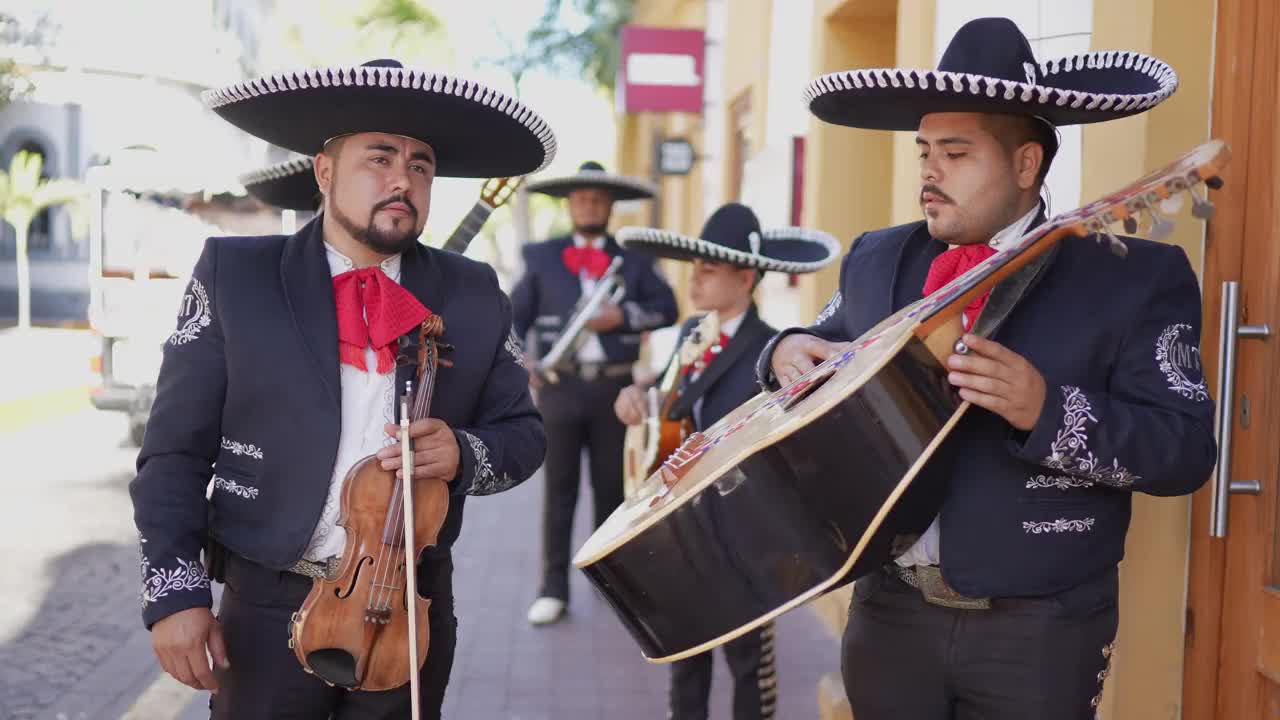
point(593, 371)
point(326, 569)
point(929, 581)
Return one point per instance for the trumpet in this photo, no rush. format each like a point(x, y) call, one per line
point(609, 287)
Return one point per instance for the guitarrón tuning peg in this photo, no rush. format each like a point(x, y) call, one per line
point(1118, 248)
point(1214, 182)
point(1201, 207)
point(1172, 204)
point(1131, 225)
point(1160, 227)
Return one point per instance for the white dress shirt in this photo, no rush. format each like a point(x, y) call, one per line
point(927, 550)
point(368, 403)
point(590, 350)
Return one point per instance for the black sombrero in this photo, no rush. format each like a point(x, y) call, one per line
point(989, 68)
point(592, 175)
point(474, 130)
point(732, 235)
point(290, 185)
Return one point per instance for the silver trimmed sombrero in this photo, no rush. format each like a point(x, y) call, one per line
point(592, 175)
point(732, 235)
point(290, 185)
point(475, 131)
point(989, 68)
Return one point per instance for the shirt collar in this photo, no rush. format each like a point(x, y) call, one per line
point(598, 243)
point(339, 263)
point(1019, 228)
point(730, 327)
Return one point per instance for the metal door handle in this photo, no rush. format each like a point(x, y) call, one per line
point(1230, 330)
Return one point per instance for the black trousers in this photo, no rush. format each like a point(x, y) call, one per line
point(755, 680)
point(1043, 658)
point(266, 681)
point(577, 414)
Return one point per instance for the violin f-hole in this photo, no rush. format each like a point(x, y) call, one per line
point(345, 593)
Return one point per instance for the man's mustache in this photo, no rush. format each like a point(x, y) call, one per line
point(934, 190)
point(397, 199)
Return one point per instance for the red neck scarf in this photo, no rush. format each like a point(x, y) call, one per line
point(592, 259)
point(373, 311)
point(954, 262)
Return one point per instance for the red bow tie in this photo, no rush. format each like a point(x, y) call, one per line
point(708, 355)
point(952, 263)
point(592, 259)
point(373, 311)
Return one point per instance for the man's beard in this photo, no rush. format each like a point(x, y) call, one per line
point(595, 229)
point(380, 241)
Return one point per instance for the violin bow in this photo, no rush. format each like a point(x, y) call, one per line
point(410, 569)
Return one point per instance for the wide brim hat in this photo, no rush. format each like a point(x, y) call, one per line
point(289, 185)
point(989, 68)
point(733, 235)
point(593, 175)
point(474, 130)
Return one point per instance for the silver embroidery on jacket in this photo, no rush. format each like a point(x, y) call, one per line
point(1062, 482)
point(485, 481)
point(512, 346)
point(1176, 360)
point(195, 308)
point(1060, 525)
point(158, 583)
point(832, 306)
point(235, 488)
point(1069, 451)
point(238, 448)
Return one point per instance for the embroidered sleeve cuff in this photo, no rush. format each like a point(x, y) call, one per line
point(764, 364)
point(1060, 440)
point(172, 586)
point(477, 475)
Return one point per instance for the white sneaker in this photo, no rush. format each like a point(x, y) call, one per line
point(546, 610)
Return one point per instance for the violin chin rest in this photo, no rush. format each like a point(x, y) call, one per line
point(334, 665)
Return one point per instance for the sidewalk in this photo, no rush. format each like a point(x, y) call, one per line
point(44, 374)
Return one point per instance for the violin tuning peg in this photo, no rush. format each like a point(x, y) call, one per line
point(1131, 225)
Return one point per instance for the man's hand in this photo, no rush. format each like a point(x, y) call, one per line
point(180, 643)
point(535, 381)
point(797, 354)
point(630, 407)
point(1000, 380)
point(607, 319)
point(435, 450)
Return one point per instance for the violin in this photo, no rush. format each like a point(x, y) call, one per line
point(354, 630)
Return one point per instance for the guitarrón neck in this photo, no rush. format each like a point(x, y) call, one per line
point(468, 228)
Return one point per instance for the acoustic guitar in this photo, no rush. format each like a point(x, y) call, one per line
point(646, 445)
point(762, 512)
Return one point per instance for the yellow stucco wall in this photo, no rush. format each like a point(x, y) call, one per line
point(1146, 677)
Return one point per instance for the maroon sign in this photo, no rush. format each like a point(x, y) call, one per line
point(661, 69)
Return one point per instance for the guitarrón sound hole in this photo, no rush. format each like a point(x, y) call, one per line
point(805, 388)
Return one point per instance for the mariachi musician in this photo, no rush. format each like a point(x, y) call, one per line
point(283, 370)
point(1082, 370)
point(578, 407)
point(729, 256)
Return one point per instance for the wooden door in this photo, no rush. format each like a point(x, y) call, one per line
point(1232, 668)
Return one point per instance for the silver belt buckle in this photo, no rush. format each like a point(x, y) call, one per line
point(589, 371)
point(935, 590)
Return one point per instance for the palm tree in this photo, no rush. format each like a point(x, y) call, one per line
point(23, 194)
